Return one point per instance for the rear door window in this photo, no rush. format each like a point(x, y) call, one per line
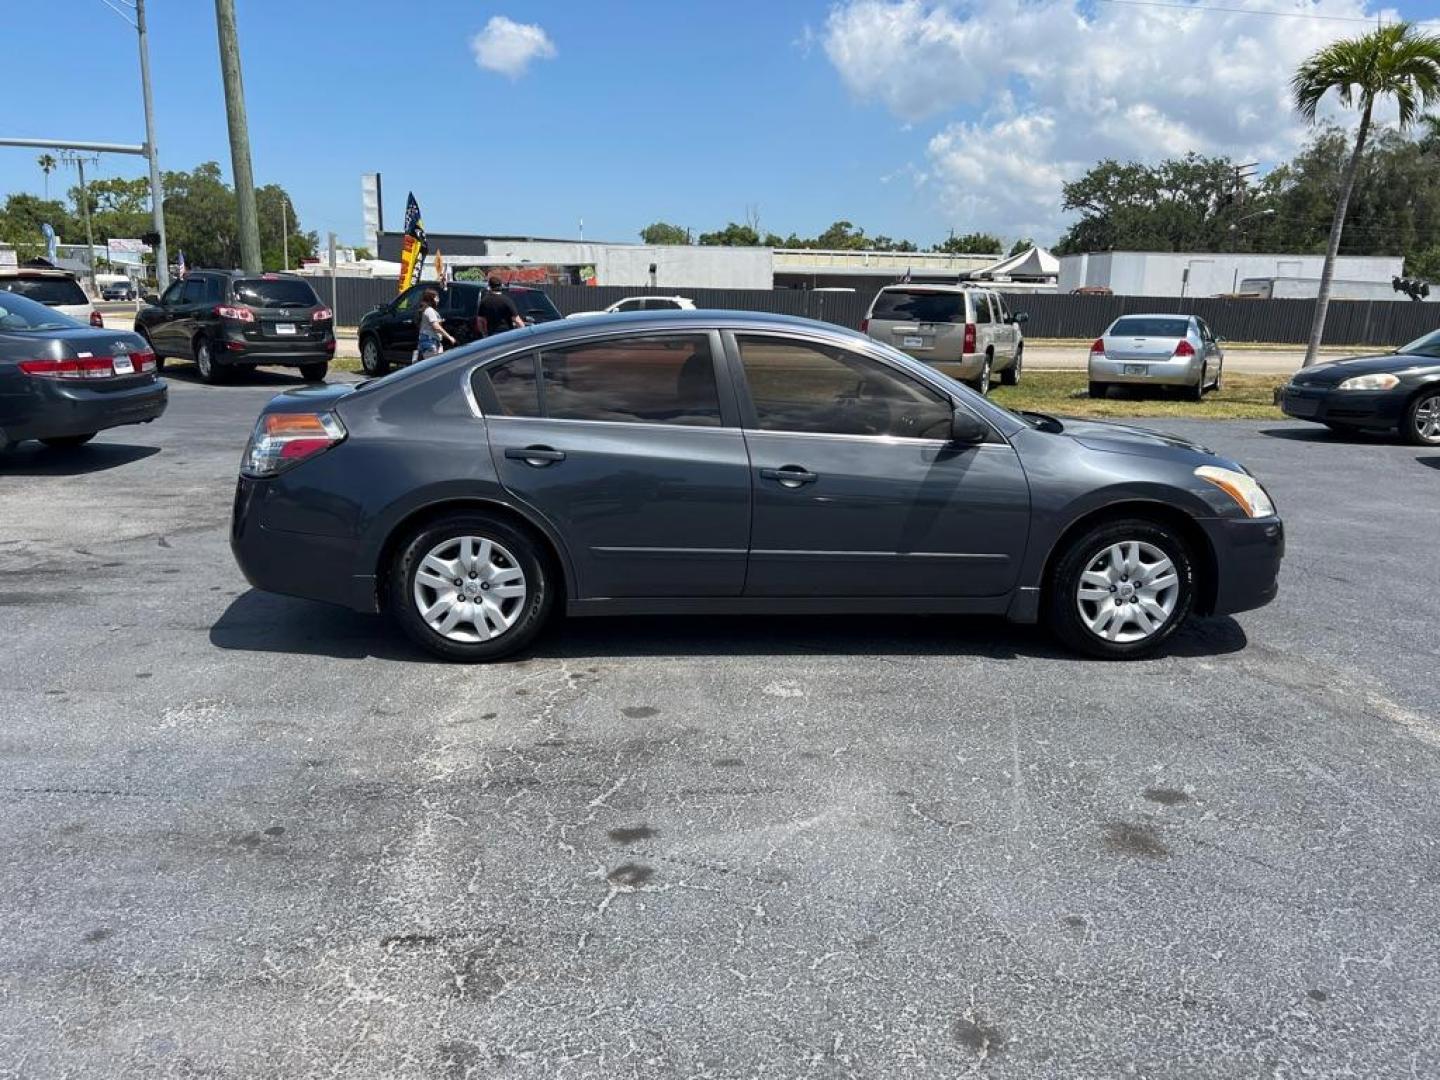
point(638, 380)
point(275, 293)
point(982, 307)
point(919, 305)
point(51, 291)
point(1149, 326)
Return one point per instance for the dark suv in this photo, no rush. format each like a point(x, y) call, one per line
point(228, 320)
point(388, 333)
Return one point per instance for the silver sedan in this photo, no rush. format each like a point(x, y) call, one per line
point(1157, 350)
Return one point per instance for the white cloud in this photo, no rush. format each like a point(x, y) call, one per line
point(1029, 93)
point(508, 47)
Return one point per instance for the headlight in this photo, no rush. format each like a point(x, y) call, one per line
point(1370, 382)
point(1241, 487)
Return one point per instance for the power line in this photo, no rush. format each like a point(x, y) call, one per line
point(1181, 6)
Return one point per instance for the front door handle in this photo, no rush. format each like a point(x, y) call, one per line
point(537, 456)
point(790, 476)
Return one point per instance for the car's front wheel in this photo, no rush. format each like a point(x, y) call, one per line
point(981, 382)
point(372, 359)
point(314, 372)
point(1121, 589)
point(1422, 419)
point(68, 442)
point(471, 587)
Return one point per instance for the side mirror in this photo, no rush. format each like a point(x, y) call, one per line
point(150, 298)
point(1022, 317)
point(967, 429)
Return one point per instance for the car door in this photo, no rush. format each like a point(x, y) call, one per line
point(185, 324)
point(1214, 357)
point(1005, 330)
point(399, 330)
point(621, 442)
point(858, 490)
point(985, 325)
point(160, 320)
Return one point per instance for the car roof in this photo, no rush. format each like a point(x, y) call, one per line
point(685, 319)
point(1154, 315)
point(940, 287)
point(35, 271)
point(193, 272)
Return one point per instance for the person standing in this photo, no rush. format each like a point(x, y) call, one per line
point(433, 335)
point(499, 311)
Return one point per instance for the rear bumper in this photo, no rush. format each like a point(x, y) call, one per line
point(56, 408)
point(235, 348)
point(1379, 409)
point(964, 369)
point(1157, 372)
point(306, 565)
point(1248, 552)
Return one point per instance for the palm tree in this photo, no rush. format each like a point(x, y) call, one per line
point(1394, 61)
point(47, 166)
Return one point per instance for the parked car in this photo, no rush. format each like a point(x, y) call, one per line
point(1397, 391)
point(739, 462)
point(55, 288)
point(119, 290)
point(388, 333)
point(968, 333)
point(1158, 351)
point(229, 320)
point(641, 303)
point(62, 381)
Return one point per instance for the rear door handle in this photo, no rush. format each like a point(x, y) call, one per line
point(790, 476)
point(537, 456)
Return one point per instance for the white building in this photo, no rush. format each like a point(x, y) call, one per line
point(1163, 273)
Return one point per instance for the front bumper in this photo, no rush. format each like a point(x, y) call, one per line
point(1379, 409)
point(1182, 372)
point(55, 408)
point(1248, 552)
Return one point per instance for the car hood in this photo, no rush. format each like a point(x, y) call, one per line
point(1128, 439)
point(1333, 372)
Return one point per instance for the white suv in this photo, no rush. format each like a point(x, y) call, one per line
point(968, 333)
point(641, 303)
point(52, 287)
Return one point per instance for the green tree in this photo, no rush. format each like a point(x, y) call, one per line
point(276, 211)
point(47, 166)
point(975, 243)
point(200, 217)
point(21, 218)
point(1023, 244)
point(1395, 61)
point(1181, 204)
point(117, 207)
point(662, 232)
point(733, 235)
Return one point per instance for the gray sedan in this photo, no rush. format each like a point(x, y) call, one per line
point(1157, 350)
point(735, 462)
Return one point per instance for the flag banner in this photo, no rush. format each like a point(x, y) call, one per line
point(180, 263)
point(412, 247)
point(442, 272)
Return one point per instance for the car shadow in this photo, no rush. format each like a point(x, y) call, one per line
point(264, 622)
point(1432, 462)
point(185, 372)
point(37, 459)
point(1316, 433)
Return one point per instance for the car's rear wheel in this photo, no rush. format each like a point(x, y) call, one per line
point(314, 372)
point(159, 357)
point(1098, 390)
point(210, 371)
point(981, 382)
point(1011, 375)
point(1422, 419)
point(1121, 589)
point(470, 587)
point(372, 359)
point(67, 442)
point(1196, 392)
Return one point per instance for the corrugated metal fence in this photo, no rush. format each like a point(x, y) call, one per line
point(1349, 322)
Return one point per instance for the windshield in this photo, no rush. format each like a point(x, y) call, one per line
point(1142, 326)
point(276, 293)
point(919, 305)
point(1429, 345)
point(20, 314)
point(47, 290)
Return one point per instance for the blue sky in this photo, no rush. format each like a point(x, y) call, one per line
point(899, 115)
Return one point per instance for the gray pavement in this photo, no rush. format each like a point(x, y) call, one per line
point(248, 836)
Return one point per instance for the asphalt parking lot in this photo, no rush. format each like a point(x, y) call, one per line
point(247, 836)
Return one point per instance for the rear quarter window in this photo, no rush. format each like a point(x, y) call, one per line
point(52, 291)
point(918, 305)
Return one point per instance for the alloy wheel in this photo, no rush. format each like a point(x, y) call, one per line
point(1128, 591)
point(1426, 419)
point(203, 362)
point(982, 384)
point(469, 589)
point(370, 357)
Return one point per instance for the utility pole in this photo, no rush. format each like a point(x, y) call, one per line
point(239, 136)
point(79, 163)
point(157, 193)
point(284, 233)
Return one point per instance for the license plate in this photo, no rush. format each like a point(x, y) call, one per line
point(284, 328)
point(1298, 406)
point(913, 342)
point(124, 365)
point(1137, 369)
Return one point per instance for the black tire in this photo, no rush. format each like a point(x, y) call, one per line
point(205, 364)
point(1099, 390)
point(1341, 429)
point(1062, 607)
point(372, 358)
point(314, 372)
point(981, 383)
point(541, 581)
point(1011, 375)
point(1422, 415)
point(68, 442)
point(1196, 392)
point(159, 356)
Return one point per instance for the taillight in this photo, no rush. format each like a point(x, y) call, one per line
point(969, 337)
point(283, 440)
point(1184, 348)
point(96, 319)
point(90, 367)
point(322, 313)
point(1097, 347)
point(239, 314)
point(864, 326)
